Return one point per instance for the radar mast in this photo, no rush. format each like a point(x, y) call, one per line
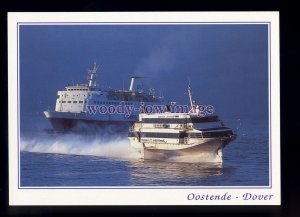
point(91, 75)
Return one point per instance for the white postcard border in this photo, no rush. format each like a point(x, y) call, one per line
point(142, 195)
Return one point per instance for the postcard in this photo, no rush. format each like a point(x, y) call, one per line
point(144, 108)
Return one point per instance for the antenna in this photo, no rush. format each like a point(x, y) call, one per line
point(92, 74)
point(190, 95)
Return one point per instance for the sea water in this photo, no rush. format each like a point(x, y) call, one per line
point(85, 160)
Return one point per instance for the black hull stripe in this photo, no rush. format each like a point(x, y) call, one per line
point(182, 135)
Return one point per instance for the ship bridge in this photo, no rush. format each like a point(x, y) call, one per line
point(79, 87)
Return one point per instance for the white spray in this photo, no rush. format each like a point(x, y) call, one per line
point(74, 144)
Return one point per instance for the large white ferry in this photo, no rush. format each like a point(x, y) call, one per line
point(87, 106)
point(182, 136)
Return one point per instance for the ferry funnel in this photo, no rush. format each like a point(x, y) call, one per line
point(132, 82)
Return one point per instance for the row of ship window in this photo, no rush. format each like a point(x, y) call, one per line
point(211, 134)
point(58, 96)
point(165, 120)
point(183, 135)
point(180, 120)
point(111, 103)
point(75, 89)
point(97, 102)
point(70, 101)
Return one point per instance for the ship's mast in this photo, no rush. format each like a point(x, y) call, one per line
point(194, 107)
point(190, 96)
point(92, 75)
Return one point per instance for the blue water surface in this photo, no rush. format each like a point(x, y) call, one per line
point(245, 163)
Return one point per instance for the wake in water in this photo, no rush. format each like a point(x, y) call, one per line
point(76, 144)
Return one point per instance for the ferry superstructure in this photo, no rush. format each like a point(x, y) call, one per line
point(87, 106)
point(186, 136)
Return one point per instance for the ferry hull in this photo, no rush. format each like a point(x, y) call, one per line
point(81, 122)
point(208, 150)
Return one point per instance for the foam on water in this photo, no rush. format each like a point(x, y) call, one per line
point(74, 144)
